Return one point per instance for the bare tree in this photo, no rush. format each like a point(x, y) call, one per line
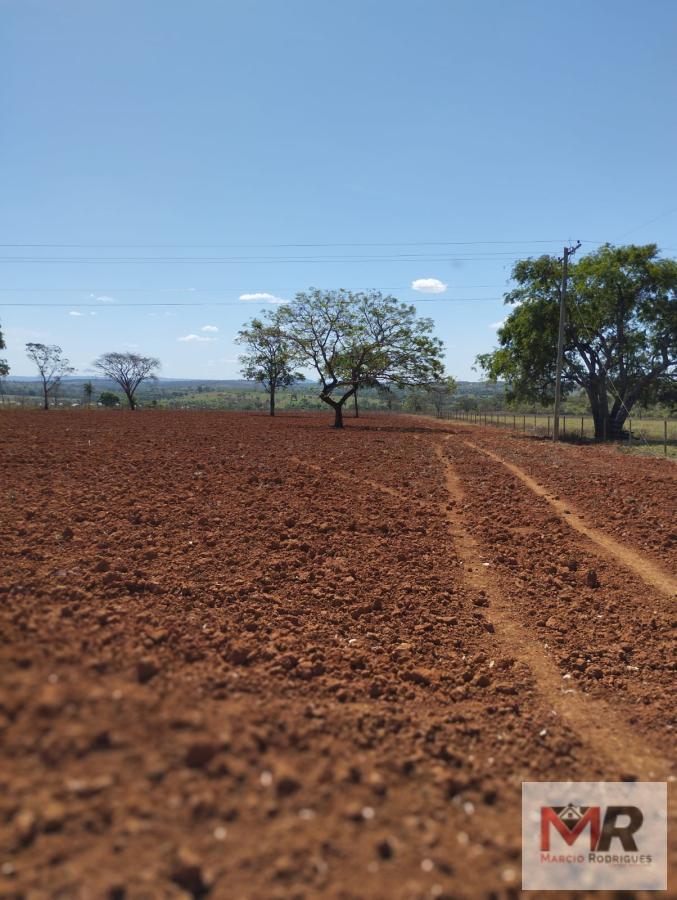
point(128, 370)
point(52, 366)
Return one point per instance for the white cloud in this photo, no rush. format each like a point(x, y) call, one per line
point(196, 339)
point(429, 286)
point(262, 297)
point(496, 325)
point(74, 312)
point(211, 328)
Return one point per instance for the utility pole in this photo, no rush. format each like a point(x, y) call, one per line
point(568, 251)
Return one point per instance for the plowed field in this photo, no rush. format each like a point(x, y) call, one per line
point(254, 658)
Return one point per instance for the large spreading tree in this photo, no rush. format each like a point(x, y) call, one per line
point(355, 340)
point(128, 370)
point(52, 365)
point(620, 337)
point(268, 357)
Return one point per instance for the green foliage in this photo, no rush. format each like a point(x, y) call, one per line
point(415, 400)
point(4, 367)
point(109, 399)
point(269, 358)
point(52, 365)
point(441, 392)
point(620, 338)
point(356, 341)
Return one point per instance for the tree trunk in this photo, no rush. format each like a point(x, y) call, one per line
point(357, 409)
point(131, 401)
point(608, 423)
point(616, 422)
point(337, 406)
point(272, 401)
point(45, 393)
point(609, 427)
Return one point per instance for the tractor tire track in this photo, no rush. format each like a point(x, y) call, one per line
point(600, 728)
point(629, 559)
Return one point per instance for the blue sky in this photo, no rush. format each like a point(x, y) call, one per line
point(391, 131)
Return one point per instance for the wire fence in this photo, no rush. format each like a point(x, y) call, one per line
point(640, 433)
point(647, 434)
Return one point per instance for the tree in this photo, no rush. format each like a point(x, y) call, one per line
point(269, 359)
point(87, 391)
point(128, 370)
point(415, 399)
point(359, 340)
point(387, 396)
point(109, 399)
point(441, 391)
point(620, 338)
point(52, 366)
point(4, 367)
point(468, 403)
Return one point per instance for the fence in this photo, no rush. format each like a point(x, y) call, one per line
point(640, 432)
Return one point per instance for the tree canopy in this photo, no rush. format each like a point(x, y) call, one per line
point(128, 370)
point(4, 367)
point(354, 340)
point(440, 392)
point(620, 336)
point(268, 358)
point(109, 399)
point(52, 365)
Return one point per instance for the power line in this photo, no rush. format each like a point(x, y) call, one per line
point(291, 245)
point(662, 215)
point(242, 303)
point(254, 260)
point(220, 290)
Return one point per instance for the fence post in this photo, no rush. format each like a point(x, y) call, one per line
point(665, 436)
point(524, 424)
point(514, 426)
point(581, 427)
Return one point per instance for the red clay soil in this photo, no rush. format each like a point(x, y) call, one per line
point(254, 658)
point(631, 498)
